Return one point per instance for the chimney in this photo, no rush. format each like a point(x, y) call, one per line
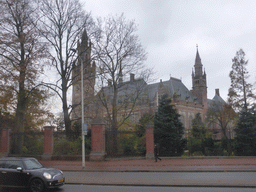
point(217, 92)
point(132, 77)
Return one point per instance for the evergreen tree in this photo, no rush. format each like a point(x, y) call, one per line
point(168, 129)
point(198, 127)
point(140, 128)
point(240, 93)
point(200, 141)
point(198, 135)
point(245, 141)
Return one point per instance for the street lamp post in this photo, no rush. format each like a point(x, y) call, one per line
point(82, 103)
point(82, 106)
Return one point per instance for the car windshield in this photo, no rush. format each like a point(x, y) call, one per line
point(33, 164)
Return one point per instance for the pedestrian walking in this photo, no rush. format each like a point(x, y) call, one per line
point(156, 152)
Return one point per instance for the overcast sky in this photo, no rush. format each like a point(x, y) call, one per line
point(170, 29)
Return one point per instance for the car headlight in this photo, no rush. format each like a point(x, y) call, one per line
point(47, 175)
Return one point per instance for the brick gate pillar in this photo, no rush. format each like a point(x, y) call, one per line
point(48, 142)
point(5, 142)
point(150, 141)
point(98, 152)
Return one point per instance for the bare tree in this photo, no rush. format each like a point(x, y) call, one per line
point(223, 115)
point(118, 51)
point(63, 23)
point(22, 54)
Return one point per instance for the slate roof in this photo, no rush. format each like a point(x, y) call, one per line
point(217, 99)
point(130, 88)
point(173, 86)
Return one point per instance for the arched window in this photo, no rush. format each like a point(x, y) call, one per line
point(190, 121)
point(182, 119)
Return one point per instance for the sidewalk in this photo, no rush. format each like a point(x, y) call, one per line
point(200, 164)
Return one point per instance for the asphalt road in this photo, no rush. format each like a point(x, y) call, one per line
point(93, 188)
point(100, 188)
point(188, 179)
point(156, 181)
point(104, 188)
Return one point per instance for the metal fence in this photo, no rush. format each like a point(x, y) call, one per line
point(128, 144)
point(72, 144)
point(32, 142)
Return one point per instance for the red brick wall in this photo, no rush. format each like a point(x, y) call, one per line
point(97, 141)
point(48, 140)
point(150, 142)
point(98, 138)
point(5, 141)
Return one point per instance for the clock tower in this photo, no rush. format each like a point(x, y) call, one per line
point(199, 85)
point(89, 71)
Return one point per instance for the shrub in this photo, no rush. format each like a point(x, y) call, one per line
point(127, 144)
point(198, 153)
point(33, 145)
point(63, 146)
point(141, 145)
point(196, 145)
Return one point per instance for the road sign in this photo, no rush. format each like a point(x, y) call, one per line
point(84, 130)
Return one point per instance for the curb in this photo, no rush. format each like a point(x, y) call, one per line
point(158, 171)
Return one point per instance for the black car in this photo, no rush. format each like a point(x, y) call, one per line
point(24, 172)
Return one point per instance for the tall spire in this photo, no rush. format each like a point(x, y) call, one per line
point(85, 37)
point(198, 64)
point(198, 59)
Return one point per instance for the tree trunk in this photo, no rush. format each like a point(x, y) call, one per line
point(18, 139)
point(244, 90)
point(67, 120)
point(114, 126)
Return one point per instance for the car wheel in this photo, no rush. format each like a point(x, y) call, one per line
point(36, 185)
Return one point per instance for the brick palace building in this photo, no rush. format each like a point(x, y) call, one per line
point(187, 102)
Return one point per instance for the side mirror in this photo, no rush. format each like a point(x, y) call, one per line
point(19, 169)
